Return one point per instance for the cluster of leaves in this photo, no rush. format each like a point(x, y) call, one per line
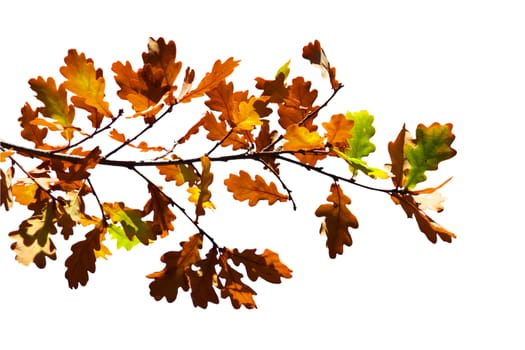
point(278, 123)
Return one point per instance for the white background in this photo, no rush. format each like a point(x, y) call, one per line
point(403, 61)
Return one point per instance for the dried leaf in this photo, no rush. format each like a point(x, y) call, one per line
point(166, 283)
point(83, 257)
point(244, 188)
point(159, 204)
point(86, 82)
point(218, 73)
point(267, 265)
point(338, 218)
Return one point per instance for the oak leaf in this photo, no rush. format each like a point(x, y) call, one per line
point(315, 54)
point(30, 131)
point(55, 104)
point(131, 221)
point(6, 192)
point(426, 225)
point(119, 235)
point(87, 83)
point(34, 252)
point(338, 131)
point(203, 280)
point(300, 139)
point(234, 288)
point(267, 265)
point(166, 283)
point(180, 173)
point(83, 257)
point(212, 79)
point(298, 105)
point(338, 218)
point(244, 188)
point(159, 204)
point(431, 146)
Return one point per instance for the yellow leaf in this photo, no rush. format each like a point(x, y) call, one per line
point(300, 138)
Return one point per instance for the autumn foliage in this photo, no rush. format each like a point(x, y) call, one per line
point(73, 130)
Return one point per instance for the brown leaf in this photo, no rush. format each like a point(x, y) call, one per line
point(166, 283)
point(159, 204)
point(204, 280)
point(397, 156)
point(244, 188)
point(429, 227)
point(315, 54)
point(239, 293)
point(6, 193)
point(276, 89)
point(83, 257)
point(267, 265)
point(338, 219)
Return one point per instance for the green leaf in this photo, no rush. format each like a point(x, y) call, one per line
point(359, 164)
point(362, 132)
point(131, 222)
point(431, 146)
point(118, 234)
point(359, 145)
point(285, 69)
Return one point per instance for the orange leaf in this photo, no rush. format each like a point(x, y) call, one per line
point(267, 266)
point(338, 131)
point(337, 221)
point(204, 195)
point(83, 257)
point(218, 73)
point(239, 293)
point(299, 138)
point(159, 205)
point(298, 104)
point(217, 132)
point(275, 89)
point(86, 82)
point(30, 131)
point(180, 173)
point(166, 283)
point(244, 188)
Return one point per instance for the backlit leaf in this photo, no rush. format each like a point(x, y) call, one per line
point(6, 193)
point(86, 82)
point(30, 131)
point(267, 265)
point(123, 241)
point(218, 73)
point(131, 221)
point(166, 283)
point(315, 54)
point(159, 204)
point(338, 219)
point(234, 288)
point(431, 146)
point(83, 257)
point(55, 104)
point(426, 225)
point(244, 188)
point(204, 280)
